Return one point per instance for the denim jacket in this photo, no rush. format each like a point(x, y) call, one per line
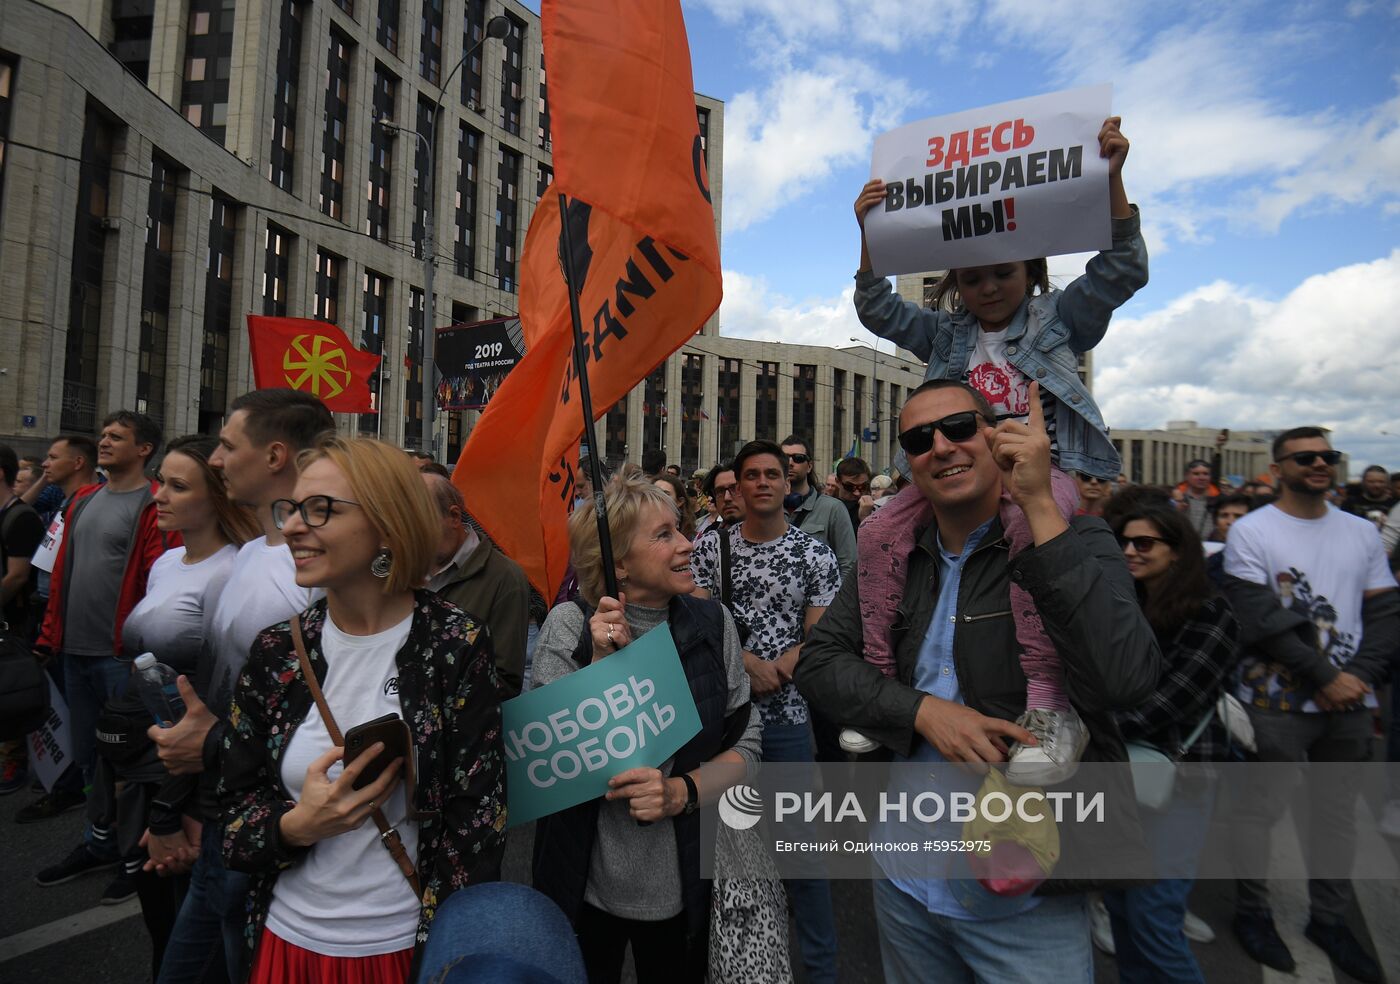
point(1043, 340)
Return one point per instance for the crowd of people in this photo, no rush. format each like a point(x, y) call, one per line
point(1003, 596)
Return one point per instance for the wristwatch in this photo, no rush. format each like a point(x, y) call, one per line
point(692, 795)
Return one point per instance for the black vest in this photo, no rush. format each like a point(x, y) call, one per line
point(564, 841)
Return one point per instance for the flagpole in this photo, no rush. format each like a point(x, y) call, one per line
point(595, 470)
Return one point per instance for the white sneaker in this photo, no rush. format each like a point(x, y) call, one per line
point(1062, 738)
point(1390, 819)
point(855, 743)
point(1100, 928)
point(1197, 929)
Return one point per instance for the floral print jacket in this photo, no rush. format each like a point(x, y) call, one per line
point(447, 689)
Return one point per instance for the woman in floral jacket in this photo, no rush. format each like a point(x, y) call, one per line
point(328, 901)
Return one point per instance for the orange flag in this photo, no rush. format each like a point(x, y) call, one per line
point(313, 356)
point(627, 152)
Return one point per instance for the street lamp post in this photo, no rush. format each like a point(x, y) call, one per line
point(496, 27)
point(874, 390)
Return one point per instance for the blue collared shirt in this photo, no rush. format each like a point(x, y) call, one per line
point(936, 674)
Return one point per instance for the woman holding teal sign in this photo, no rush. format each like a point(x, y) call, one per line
point(626, 868)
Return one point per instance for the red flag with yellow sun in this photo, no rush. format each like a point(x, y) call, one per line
point(314, 357)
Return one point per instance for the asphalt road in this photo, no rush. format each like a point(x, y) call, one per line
point(62, 934)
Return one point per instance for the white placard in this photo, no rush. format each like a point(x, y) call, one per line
point(47, 553)
point(1015, 181)
point(50, 747)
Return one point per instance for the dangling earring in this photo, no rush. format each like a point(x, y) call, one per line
point(382, 564)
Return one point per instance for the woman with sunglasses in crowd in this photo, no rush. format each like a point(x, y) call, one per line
point(1003, 329)
point(1198, 635)
point(332, 899)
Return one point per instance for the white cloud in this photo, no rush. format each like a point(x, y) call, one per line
point(1328, 353)
point(781, 141)
point(886, 24)
point(752, 310)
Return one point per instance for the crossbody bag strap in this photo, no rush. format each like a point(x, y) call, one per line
point(726, 589)
point(388, 836)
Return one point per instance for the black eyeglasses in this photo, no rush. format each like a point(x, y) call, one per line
point(1142, 544)
point(729, 492)
point(315, 510)
point(799, 459)
point(1091, 478)
point(956, 427)
point(1304, 459)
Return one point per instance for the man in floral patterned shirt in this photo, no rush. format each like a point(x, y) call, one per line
point(780, 582)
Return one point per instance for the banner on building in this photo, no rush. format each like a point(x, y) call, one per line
point(1014, 181)
point(473, 361)
point(565, 740)
point(314, 357)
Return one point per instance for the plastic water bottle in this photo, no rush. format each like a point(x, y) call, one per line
point(155, 683)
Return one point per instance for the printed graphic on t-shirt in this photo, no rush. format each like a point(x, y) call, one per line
point(1006, 388)
point(773, 585)
point(1271, 685)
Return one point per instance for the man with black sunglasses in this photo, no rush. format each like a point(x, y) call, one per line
point(956, 686)
point(814, 513)
point(1318, 607)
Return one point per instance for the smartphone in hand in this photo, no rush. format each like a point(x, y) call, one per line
point(398, 743)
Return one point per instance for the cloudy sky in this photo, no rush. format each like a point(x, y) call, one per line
point(1265, 159)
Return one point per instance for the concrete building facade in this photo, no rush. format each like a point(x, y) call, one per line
point(1159, 457)
point(169, 166)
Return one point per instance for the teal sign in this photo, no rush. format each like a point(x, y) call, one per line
point(565, 741)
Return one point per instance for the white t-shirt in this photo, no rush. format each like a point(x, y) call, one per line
point(1006, 388)
point(348, 898)
point(169, 621)
point(1319, 568)
point(262, 590)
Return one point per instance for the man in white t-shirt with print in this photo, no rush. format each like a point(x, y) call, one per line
point(258, 448)
point(781, 581)
point(1319, 610)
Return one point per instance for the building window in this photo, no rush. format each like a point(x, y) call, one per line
point(545, 174)
point(381, 155)
point(615, 434)
point(155, 291)
point(430, 49)
point(277, 265)
point(422, 173)
point(284, 99)
point(218, 314)
point(804, 400)
point(692, 398)
point(542, 132)
point(208, 56)
point(336, 114)
point(507, 203)
point(729, 383)
point(654, 411)
point(474, 30)
point(463, 314)
point(85, 287)
point(889, 426)
point(838, 415)
point(858, 410)
point(376, 309)
point(346, 5)
point(132, 21)
point(702, 117)
point(464, 240)
point(513, 76)
point(328, 267)
point(413, 381)
point(386, 28)
point(7, 82)
point(766, 411)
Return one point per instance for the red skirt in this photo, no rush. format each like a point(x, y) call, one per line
point(280, 962)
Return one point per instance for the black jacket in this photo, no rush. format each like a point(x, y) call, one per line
point(564, 841)
point(1086, 599)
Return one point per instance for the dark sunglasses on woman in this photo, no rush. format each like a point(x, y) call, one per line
point(956, 427)
point(1142, 544)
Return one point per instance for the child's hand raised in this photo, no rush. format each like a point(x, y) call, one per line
point(1113, 145)
point(869, 197)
